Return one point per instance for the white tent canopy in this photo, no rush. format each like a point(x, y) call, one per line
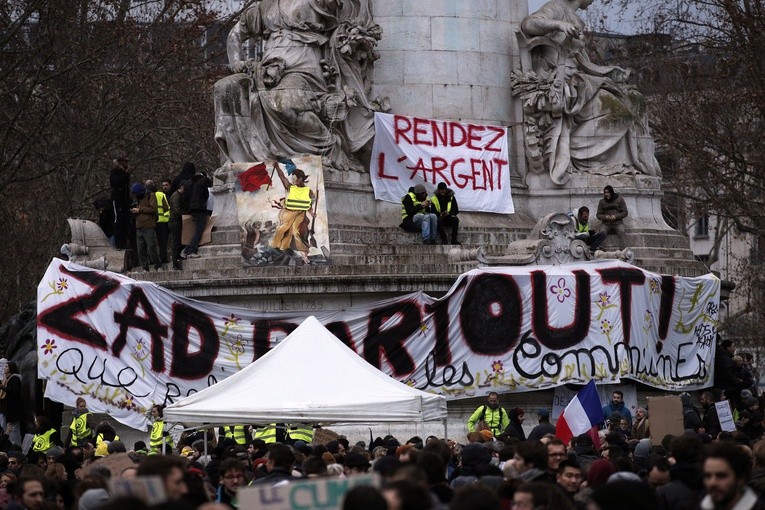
point(310, 376)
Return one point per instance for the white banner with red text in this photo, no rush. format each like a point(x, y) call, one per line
point(124, 345)
point(471, 159)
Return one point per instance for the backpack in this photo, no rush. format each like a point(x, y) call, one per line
point(501, 410)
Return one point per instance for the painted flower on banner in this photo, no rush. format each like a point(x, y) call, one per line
point(654, 285)
point(57, 288)
point(606, 327)
point(49, 346)
point(127, 402)
point(648, 319)
point(604, 303)
point(411, 382)
point(497, 367)
point(238, 344)
point(231, 322)
point(139, 353)
point(560, 291)
point(236, 348)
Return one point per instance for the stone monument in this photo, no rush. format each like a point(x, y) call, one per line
point(309, 87)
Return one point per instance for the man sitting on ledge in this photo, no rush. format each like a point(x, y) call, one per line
point(416, 215)
point(611, 212)
point(583, 232)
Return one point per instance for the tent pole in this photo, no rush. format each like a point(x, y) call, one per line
point(446, 431)
point(205, 436)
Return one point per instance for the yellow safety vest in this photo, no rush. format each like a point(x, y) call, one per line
point(582, 228)
point(266, 433)
point(237, 433)
point(414, 201)
point(100, 438)
point(80, 429)
point(155, 439)
point(300, 432)
point(437, 204)
point(163, 208)
point(299, 198)
point(41, 442)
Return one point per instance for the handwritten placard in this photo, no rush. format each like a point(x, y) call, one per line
point(725, 415)
point(471, 159)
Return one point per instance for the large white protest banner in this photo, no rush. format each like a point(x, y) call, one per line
point(124, 345)
point(471, 159)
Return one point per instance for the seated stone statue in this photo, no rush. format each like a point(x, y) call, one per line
point(581, 116)
point(305, 93)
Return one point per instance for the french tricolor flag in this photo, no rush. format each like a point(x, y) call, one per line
point(582, 414)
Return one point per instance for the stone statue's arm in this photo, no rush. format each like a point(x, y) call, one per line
point(616, 73)
point(246, 28)
point(545, 21)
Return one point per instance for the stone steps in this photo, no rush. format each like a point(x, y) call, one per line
point(392, 236)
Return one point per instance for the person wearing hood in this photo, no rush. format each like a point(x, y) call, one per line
point(584, 448)
point(687, 484)
point(473, 457)
point(515, 427)
point(691, 414)
point(145, 223)
point(617, 406)
point(444, 205)
point(544, 427)
point(611, 212)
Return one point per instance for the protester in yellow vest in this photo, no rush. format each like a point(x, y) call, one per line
point(163, 219)
point(266, 433)
point(46, 436)
point(158, 431)
point(299, 432)
point(292, 232)
point(81, 429)
point(105, 432)
point(236, 432)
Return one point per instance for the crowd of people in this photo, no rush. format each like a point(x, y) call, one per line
point(147, 219)
point(495, 466)
point(502, 462)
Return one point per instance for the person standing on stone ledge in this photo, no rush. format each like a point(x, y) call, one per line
point(199, 194)
point(592, 238)
point(444, 205)
point(416, 215)
point(611, 211)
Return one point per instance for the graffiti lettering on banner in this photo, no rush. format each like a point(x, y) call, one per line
point(124, 345)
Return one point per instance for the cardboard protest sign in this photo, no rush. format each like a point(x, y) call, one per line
point(301, 494)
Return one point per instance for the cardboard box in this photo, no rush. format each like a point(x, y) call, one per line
point(189, 227)
point(666, 417)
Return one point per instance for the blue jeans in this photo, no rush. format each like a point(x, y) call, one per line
point(200, 222)
point(428, 223)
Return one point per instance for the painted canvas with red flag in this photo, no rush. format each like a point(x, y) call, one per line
point(255, 178)
point(260, 197)
point(582, 414)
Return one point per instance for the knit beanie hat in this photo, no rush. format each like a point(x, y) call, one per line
point(93, 499)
